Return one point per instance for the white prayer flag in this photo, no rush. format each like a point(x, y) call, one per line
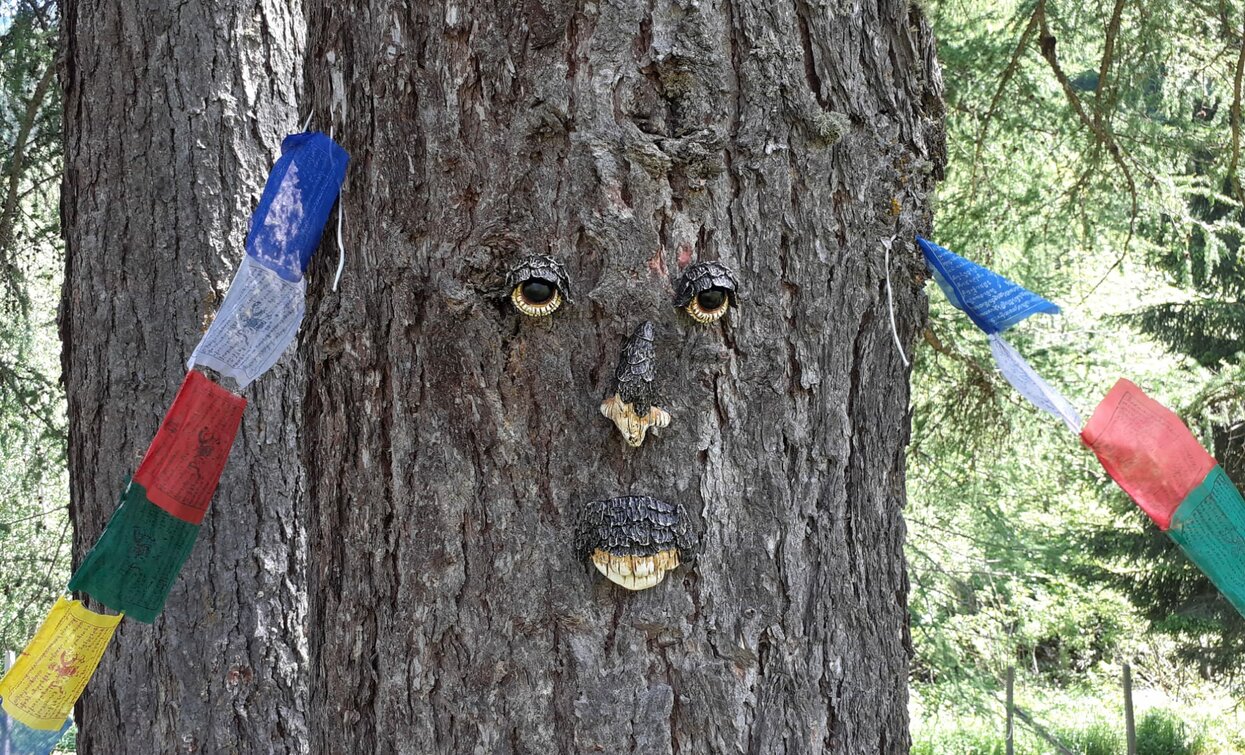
point(1031, 385)
point(256, 323)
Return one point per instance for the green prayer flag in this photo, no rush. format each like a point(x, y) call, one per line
point(1210, 526)
point(136, 560)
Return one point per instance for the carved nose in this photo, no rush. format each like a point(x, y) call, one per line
point(632, 403)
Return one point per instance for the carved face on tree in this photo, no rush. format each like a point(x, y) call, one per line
point(634, 540)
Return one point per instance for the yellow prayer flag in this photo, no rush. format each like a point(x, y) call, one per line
point(49, 676)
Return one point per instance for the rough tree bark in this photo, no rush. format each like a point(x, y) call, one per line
point(447, 439)
point(173, 113)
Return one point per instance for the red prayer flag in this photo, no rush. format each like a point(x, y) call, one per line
point(183, 464)
point(1147, 450)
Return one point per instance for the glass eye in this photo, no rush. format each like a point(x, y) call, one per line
point(537, 291)
point(536, 298)
point(705, 290)
point(709, 305)
point(538, 286)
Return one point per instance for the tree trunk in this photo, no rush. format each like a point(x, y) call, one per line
point(445, 440)
point(173, 115)
point(448, 439)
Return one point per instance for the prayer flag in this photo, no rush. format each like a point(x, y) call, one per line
point(45, 682)
point(1210, 527)
point(264, 307)
point(136, 560)
point(16, 738)
point(991, 301)
point(298, 197)
point(255, 324)
point(1147, 450)
point(183, 465)
point(1029, 384)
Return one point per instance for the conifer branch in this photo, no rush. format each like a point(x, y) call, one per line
point(1101, 131)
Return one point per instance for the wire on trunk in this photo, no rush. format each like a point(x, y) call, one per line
point(890, 299)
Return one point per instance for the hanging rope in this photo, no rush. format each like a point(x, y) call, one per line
point(341, 246)
point(890, 300)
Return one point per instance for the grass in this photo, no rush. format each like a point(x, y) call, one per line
point(1159, 732)
point(1087, 723)
point(1097, 738)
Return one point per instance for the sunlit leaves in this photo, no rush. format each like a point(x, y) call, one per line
point(34, 532)
point(1003, 503)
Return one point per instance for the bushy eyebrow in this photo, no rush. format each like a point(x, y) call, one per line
point(539, 267)
point(702, 276)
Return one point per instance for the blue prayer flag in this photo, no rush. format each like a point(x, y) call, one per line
point(991, 301)
point(295, 205)
point(16, 738)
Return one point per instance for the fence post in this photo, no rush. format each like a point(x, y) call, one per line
point(1011, 711)
point(1130, 726)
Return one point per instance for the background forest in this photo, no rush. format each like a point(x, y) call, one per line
point(1094, 156)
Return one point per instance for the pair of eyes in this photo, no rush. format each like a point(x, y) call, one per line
point(705, 291)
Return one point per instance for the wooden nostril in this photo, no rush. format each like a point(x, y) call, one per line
point(632, 402)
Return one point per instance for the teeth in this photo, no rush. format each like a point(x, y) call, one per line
point(635, 572)
point(632, 425)
point(535, 310)
point(706, 316)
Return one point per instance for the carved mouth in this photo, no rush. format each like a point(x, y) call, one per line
point(636, 572)
point(635, 540)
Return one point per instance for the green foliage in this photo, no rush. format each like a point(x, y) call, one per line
point(1086, 731)
point(30, 128)
point(1211, 331)
point(1097, 738)
point(1118, 197)
point(962, 742)
point(69, 742)
point(1161, 733)
point(34, 528)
